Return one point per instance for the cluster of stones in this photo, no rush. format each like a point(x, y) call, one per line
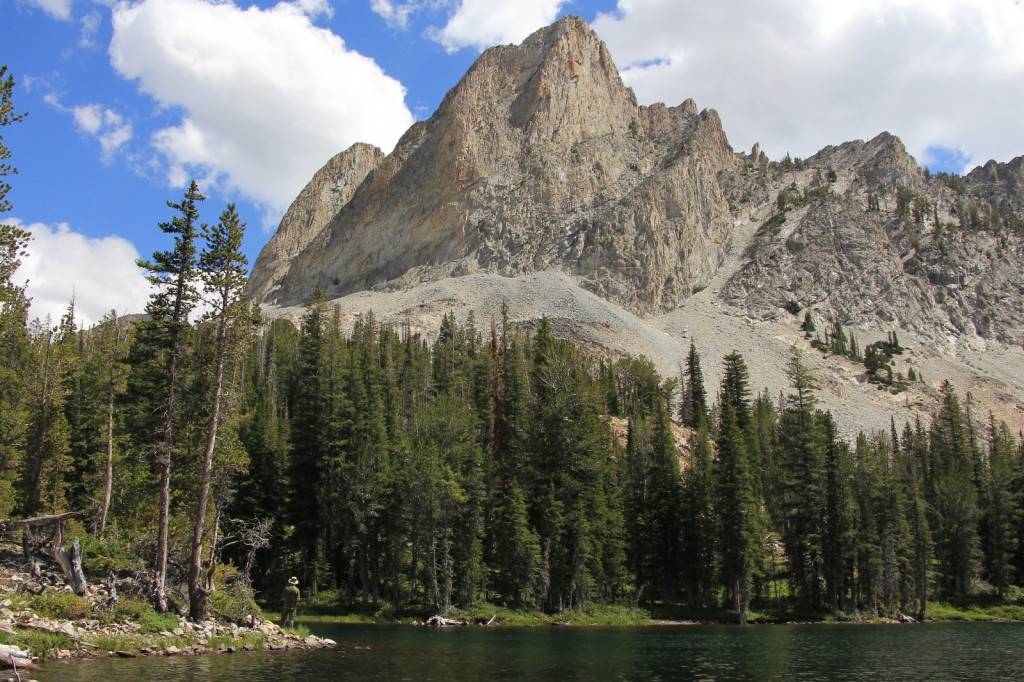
point(81, 631)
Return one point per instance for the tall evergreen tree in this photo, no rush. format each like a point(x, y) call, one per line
point(222, 268)
point(698, 524)
point(14, 341)
point(837, 542)
point(737, 507)
point(693, 408)
point(514, 557)
point(309, 442)
point(955, 509)
point(1002, 508)
point(54, 349)
point(802, 445)
point(105, 376)
point(173, 276)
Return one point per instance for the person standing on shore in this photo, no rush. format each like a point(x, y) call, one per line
point(289, 602)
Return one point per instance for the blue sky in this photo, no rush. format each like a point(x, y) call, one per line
point(127, 100)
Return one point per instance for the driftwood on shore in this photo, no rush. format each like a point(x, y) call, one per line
point(13, 657)
point(441, 622)
point(70, 561)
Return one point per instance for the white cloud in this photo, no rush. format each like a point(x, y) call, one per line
point(265, 98)
point(796, 75)
point(100, 274)
point(90, 27)
point(58, 9)
point(395, 14)
point(109, 128)
point(483, 23)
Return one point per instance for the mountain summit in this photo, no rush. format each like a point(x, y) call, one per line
point(540, 181)
point(539, 159)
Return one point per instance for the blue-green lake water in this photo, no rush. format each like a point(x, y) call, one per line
point(979, 651)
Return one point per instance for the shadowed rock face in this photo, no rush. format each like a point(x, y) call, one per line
point(327, 193)
point(540, 160)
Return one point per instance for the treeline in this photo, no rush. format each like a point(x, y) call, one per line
point(498, 465)
point(487, 467)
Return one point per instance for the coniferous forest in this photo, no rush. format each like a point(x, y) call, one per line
point(214, 452)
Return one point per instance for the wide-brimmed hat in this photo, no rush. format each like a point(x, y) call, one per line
point(293, 580)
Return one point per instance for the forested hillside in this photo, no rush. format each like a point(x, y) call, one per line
point(213, 452)
point(481, 467)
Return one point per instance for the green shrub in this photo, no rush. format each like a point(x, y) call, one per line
point(142, 613)
point(43, 644)
point(233, 598)
point(62, 605)
point(99, 557)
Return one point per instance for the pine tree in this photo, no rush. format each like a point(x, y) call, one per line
point(48, 449)
point(309, 442)
point(698, 524)
point(263, 493)
point(808, 327)
point(1002, 509)
point(955, 509)
point(802, 445)
point(106, 373)
point(514, 557)
point(222, 268)
point(173, 276)
point(666, 505)
point(693, 408)
point(736, 505)
point(14, 341)
point(837, 542)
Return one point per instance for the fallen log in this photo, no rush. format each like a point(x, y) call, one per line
point(13, 657)
point(11, 524)
point(441, 621)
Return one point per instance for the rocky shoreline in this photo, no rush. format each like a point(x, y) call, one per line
point(188, 639)
point(31, 629)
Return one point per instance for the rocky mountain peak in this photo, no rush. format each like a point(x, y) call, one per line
point(538, 159)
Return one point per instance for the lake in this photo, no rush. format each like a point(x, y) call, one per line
point(977, 651)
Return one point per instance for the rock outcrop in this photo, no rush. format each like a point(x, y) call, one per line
point(312, 211)
point(862, 235)
point(540, 158)
point(541, 161)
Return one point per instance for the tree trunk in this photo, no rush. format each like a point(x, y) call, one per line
point(198, 594)
point(71, 564)
point(36, 490)
point(163, 530)
point(108, 471)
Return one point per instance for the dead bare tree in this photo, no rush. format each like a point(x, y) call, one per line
point(70, 561)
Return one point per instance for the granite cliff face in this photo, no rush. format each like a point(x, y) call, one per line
point(540, 160)
point(326, 194)
point(860, 234)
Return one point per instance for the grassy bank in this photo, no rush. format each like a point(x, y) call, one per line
point(59, 624)
point(975, 609)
